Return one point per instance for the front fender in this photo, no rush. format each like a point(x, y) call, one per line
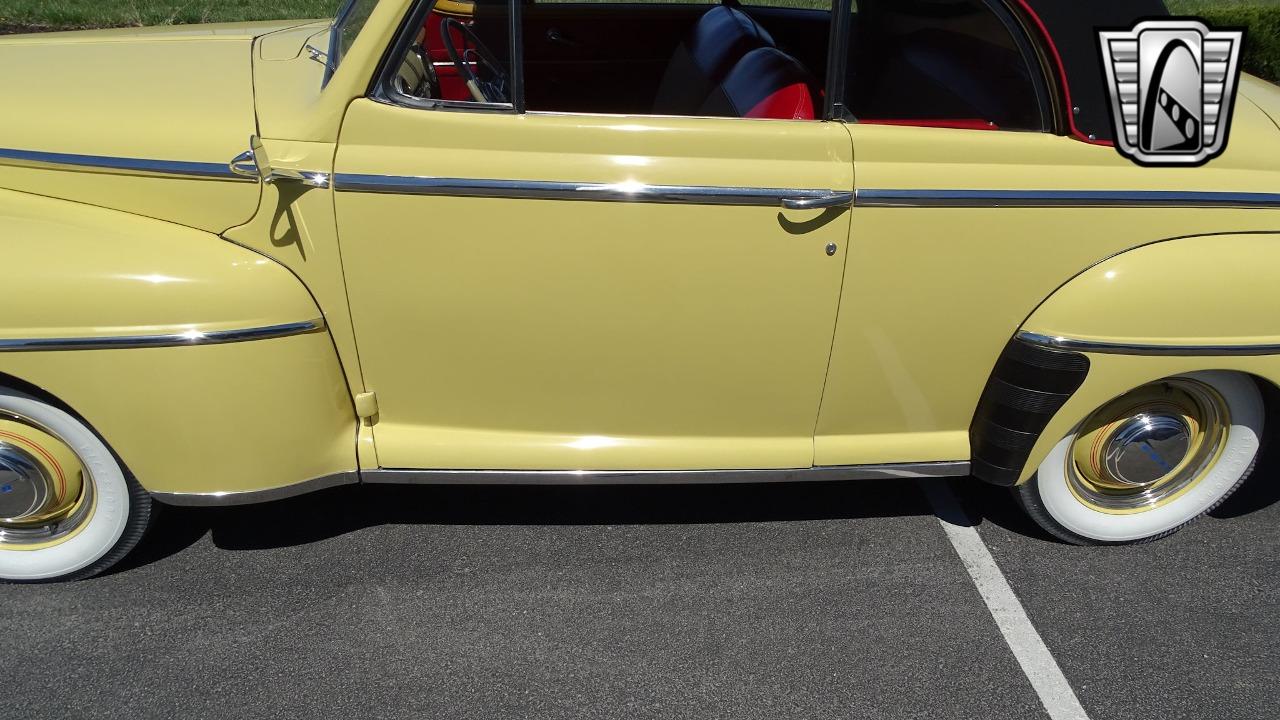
point(1174, 307)
point(74, 271)
point(154, 334)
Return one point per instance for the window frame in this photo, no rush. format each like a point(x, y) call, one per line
point(1027, 49)
point(382, 89)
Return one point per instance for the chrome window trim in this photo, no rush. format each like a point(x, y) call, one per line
point(1112, 348)
point(384, 476)
point(598, 192)
point(189, 337)
point(171, 168)
point(1063, 198)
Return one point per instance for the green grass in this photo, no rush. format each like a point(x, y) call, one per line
point(1262, 17)
point(64, 14)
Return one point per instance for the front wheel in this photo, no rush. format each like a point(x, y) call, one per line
point(1149, 462)
point(68, 510)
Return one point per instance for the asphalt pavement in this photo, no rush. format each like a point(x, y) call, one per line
point(822, 600)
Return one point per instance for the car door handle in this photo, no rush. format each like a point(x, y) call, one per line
point(820, 202)
point(555, 36)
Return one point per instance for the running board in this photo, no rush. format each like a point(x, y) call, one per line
point(957, 468)
point(663, 477)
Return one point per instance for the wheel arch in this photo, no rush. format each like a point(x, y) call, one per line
point(1127, 320)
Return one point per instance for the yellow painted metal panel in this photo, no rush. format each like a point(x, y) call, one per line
point(1218, 290)
point(556, 334)
point(932, 294)
point(76, 271)
point(294, 103)
point(295, 227)
point(142, 96)
point(212, 418)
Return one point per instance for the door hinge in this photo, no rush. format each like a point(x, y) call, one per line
point(367, 405)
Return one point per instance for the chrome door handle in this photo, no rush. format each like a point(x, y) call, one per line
point(306, 177)
point(820, 202)
point(244, 165)
point(253, 163)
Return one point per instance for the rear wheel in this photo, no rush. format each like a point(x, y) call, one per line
point(68, 510)
point(1149, 462)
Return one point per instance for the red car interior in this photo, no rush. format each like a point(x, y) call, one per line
point(962, 66)
point(452, 86)
point(766, 83)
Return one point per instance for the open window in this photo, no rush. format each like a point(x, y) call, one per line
point(955, 63)
point(691, 59)
point(942, 63)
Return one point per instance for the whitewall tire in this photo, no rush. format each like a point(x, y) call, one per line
point(68, 509)
point(1150, 462)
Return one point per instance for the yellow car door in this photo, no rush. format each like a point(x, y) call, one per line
point(590, 292)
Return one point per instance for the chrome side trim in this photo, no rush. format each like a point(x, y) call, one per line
point(214, 171)
point(1063, 198)
point(556, 477)
point(597, 192)
point(651, 477)
point(190, 337)
point(223, 499)
point(1110, 348)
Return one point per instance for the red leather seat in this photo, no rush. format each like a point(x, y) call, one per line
point(721, 38)
point(766, 83)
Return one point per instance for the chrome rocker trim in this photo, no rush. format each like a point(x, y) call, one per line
point(170, 168)
point(222, 499)
point(1063, 199)
point(1110, 348)
point(798, 199)
point(569, 477)
point(654, 477)
point(190, 337)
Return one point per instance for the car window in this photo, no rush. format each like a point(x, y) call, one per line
point(947, 63)
point(459, 54)
point(765, 61)
point(350, 21)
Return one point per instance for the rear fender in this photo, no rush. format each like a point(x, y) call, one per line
point(1169, 308)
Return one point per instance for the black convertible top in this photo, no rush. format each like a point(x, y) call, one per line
point(1072, 27)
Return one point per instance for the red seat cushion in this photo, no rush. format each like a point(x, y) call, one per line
point(722, 36)
point(766, 83)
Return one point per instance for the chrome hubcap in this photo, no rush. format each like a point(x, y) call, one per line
point(1145, 448)
point(24, 487)
point(45, 492)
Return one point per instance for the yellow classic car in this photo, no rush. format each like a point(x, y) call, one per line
point(443, 241)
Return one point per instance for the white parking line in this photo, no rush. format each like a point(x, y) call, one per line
point(1037, 662)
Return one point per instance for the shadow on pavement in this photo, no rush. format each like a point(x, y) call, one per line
point(335, 512)
point(330, 513)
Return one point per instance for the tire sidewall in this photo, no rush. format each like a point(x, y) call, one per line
point(1244, 440)
point(109, 518)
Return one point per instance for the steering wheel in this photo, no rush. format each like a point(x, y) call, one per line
point(490, 90)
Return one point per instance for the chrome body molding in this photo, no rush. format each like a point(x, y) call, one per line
point(190, 337)
point(568, 477)
point(675, 477)
point(597, 192)
point(1063, 198)
point(1111, 348)
point(168, 168)
point(222, 499)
